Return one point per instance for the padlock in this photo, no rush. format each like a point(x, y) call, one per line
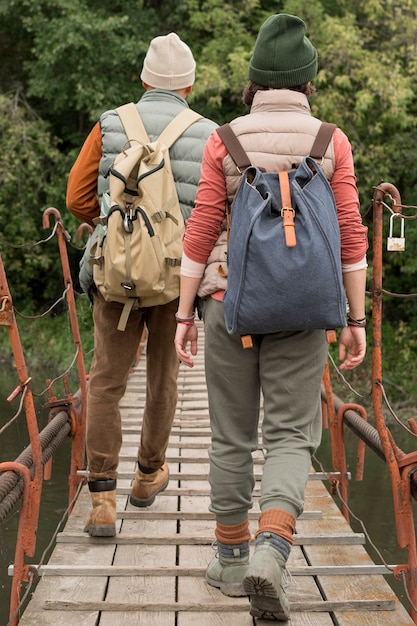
point(396, 244)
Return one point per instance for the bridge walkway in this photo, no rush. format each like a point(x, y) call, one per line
point(152, 572)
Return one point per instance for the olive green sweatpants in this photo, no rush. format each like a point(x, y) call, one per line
point(287, 369)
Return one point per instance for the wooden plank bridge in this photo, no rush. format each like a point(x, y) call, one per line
point(152, 572)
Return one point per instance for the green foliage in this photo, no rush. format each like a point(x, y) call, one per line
point(29, 170)
point(86, 58)
point(399, 354)
point(48, 345)
point(222, 38)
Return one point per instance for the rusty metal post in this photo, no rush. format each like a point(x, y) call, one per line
point(25, 544)
point(338, 450)
point(79, 417)
point(29, 514)
point(339, 462)
point(340, 453)
point(331, 415)
point(7, 318)
point(401, 487)
point(360, 458)
point(379, 193)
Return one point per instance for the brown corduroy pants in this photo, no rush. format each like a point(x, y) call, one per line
point(114, 354)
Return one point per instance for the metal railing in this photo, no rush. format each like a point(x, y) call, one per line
point(23, 478)
point(402, 467)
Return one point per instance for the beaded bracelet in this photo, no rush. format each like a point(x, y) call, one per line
point(358, 323)
point(188, 321)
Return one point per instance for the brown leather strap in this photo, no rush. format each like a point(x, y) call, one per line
point(287, 212)
point(322, 140)
point(241, 159)
point(284, 185)
point(234, 147)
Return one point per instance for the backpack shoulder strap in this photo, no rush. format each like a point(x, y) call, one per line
point(241, 159)
point(322, 140)
point(135, 129)
point(177, 126)
point(234, 147)
point(132, 122)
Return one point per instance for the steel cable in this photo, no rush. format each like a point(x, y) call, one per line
point(359, 426)
point(11, 483)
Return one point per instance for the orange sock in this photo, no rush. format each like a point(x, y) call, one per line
point(279, 522)
point(232, 535)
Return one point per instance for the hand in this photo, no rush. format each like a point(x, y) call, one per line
point(184, 335)
point(353, 339)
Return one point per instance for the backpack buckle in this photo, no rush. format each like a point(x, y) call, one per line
point(128, 286)
point(288, 214)
point(128, 223)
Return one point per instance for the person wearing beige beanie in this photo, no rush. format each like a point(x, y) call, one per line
point(168, 75)
point(284, 368)
point(169, 64)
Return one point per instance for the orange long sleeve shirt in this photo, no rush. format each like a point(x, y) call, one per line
point(82, 198)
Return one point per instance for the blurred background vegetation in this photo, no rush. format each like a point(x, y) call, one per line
point(65, 62)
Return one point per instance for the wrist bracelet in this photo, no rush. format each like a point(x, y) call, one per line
point(358, 323)
point(185, 320)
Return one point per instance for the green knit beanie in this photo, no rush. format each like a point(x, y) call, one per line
point(283, 56)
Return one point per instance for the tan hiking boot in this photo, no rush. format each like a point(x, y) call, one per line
point(102, 520)
point(146, 486)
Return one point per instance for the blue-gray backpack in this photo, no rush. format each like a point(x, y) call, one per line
point(284, 265)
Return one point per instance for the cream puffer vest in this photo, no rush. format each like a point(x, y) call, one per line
point(276, 135)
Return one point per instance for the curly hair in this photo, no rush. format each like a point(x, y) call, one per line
point(251, 88)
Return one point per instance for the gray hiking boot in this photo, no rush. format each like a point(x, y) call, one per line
point(263, 582)
point(227, 569)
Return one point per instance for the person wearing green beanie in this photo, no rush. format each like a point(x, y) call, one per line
point(283, 56)
point(285, 368)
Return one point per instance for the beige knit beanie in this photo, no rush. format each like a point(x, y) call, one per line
point(169, 64)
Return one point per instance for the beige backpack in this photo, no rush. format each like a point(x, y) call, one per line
point(138, 254)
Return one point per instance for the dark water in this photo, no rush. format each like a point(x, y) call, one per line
point(370, 499)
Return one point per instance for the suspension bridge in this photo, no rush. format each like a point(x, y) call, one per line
point(152, 571)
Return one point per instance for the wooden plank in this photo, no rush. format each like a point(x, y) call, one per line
point(138, 587)
point(199, 474)
point(304, 588)
point(70, 588)
point(233, 611)
point(223, 607)
point(142, 588)
point(350, 587)
point(202, 431)
point(176, 570)
point(183, 491)
point(184, 515)
point(336, 539)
